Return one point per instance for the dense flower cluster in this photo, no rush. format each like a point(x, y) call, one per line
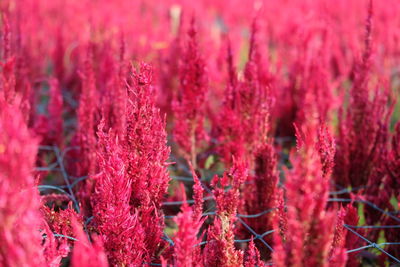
point(199, 133)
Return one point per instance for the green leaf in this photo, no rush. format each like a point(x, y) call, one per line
point(209, 161)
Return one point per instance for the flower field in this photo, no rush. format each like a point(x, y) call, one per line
point(202, 133)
